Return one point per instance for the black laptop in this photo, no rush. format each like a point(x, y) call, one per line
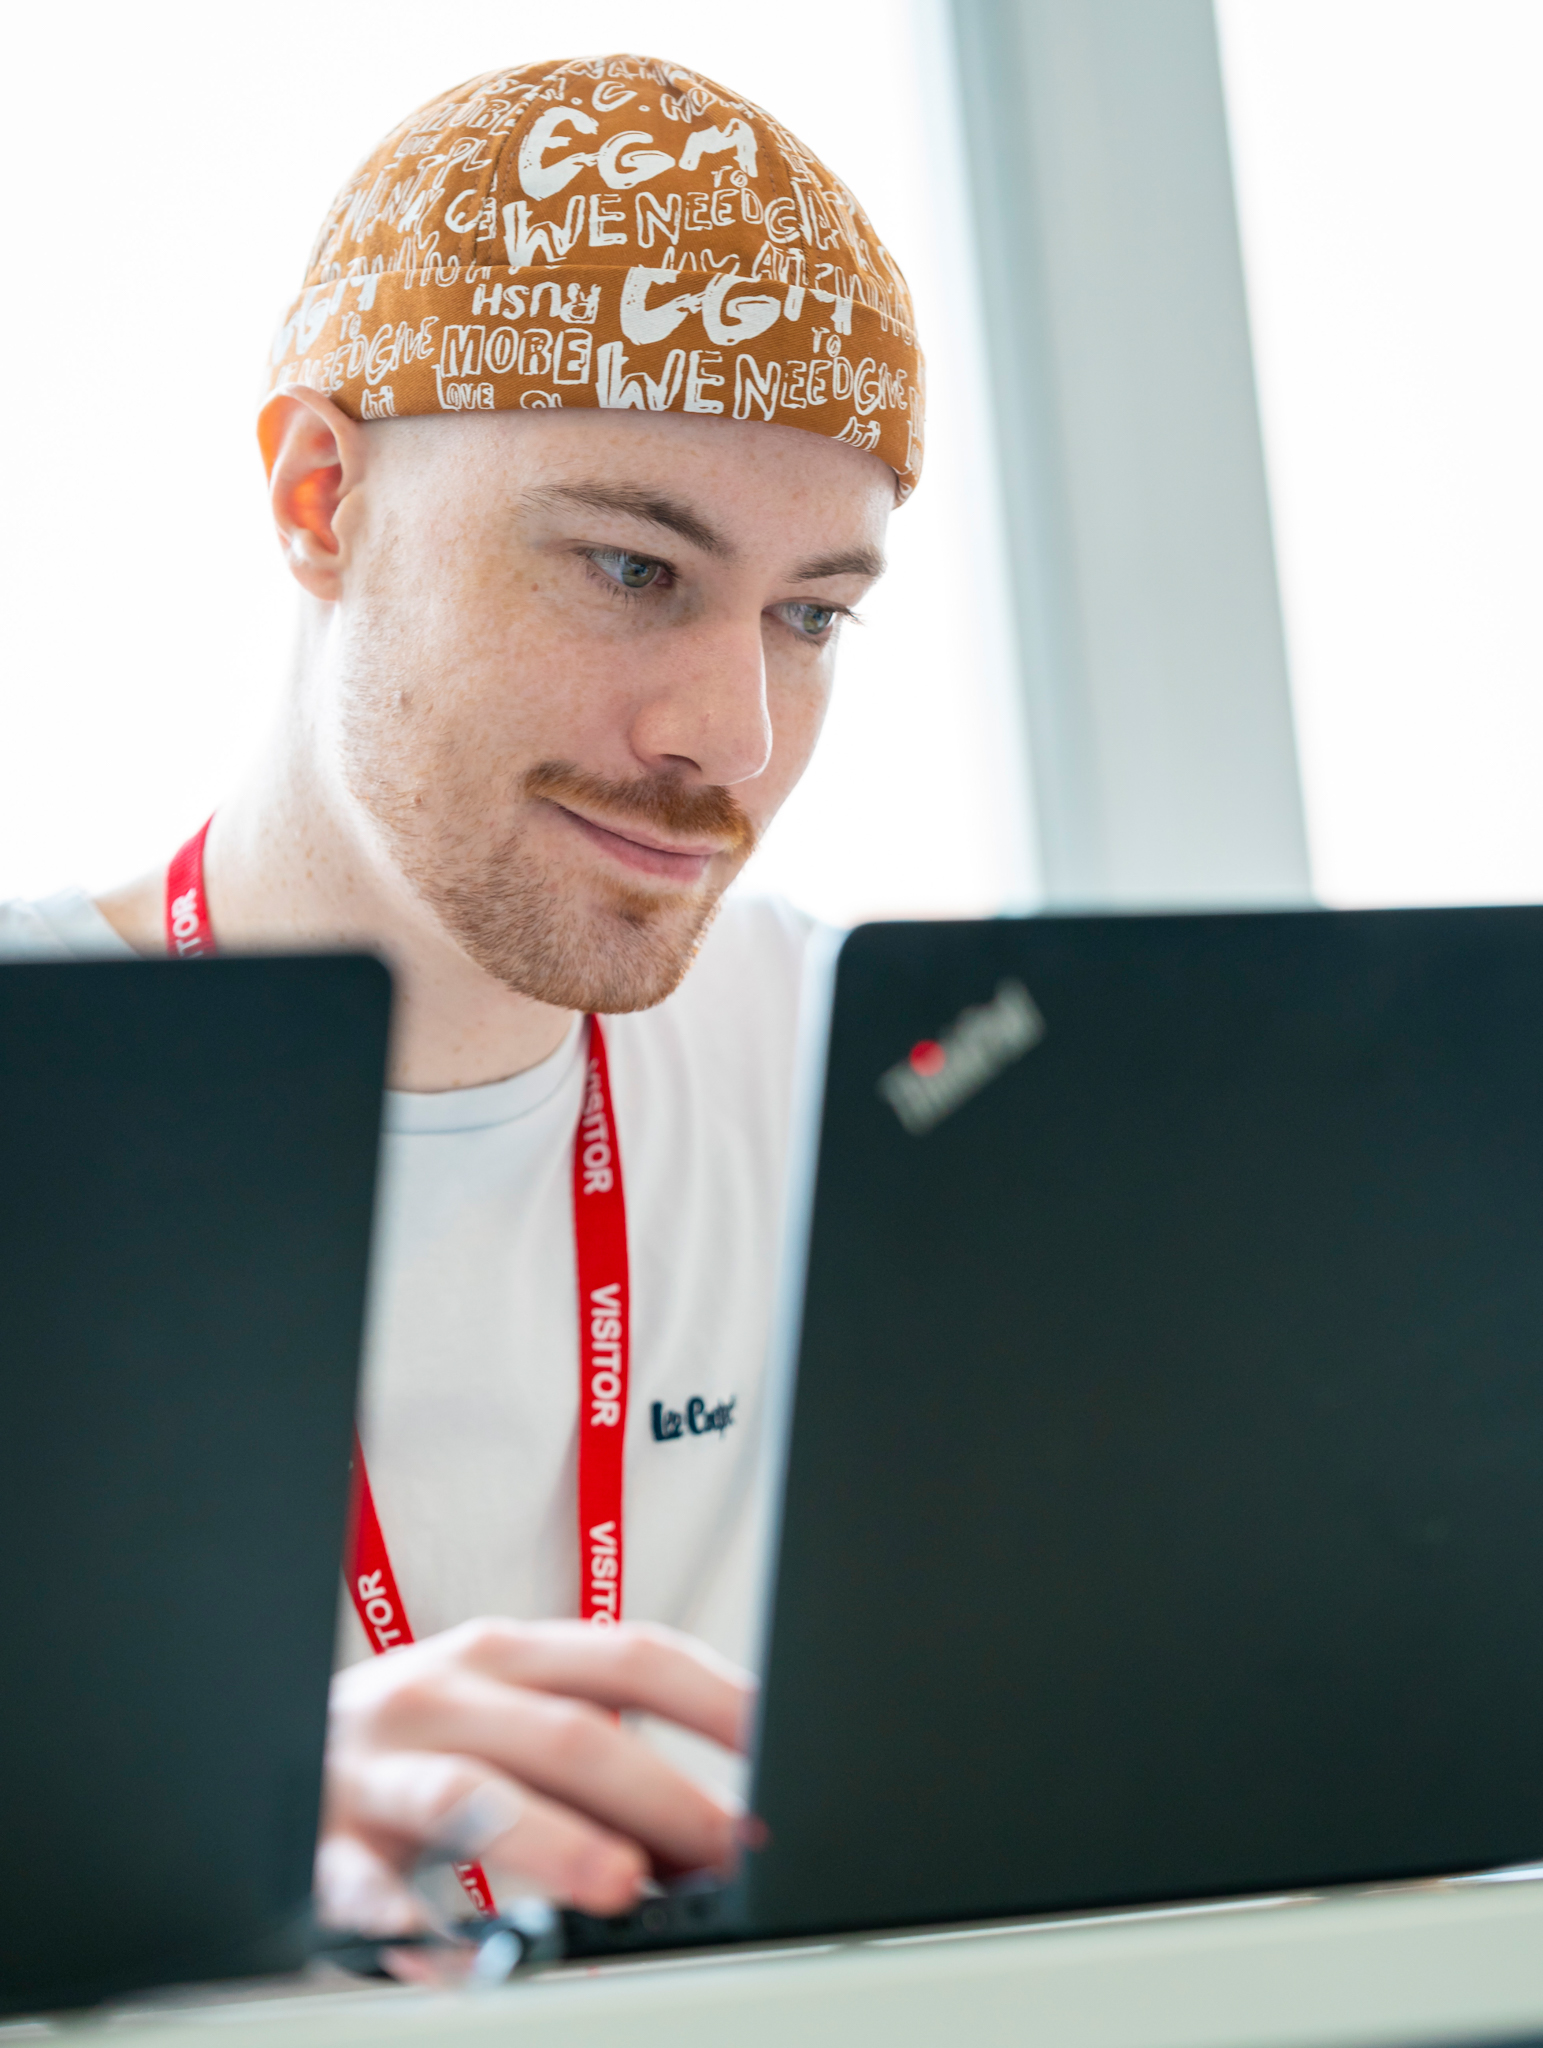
point(187, 1158)
point(1163, 1514)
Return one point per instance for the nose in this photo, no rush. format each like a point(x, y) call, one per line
point(706, 709)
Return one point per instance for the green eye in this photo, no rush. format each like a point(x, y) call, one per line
point(810, 619)
point(632, 572)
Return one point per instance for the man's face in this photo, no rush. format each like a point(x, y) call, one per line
point(578, 661)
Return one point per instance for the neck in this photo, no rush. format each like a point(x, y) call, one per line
point(287, 866)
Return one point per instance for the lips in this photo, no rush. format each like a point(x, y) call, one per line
point(643, 855)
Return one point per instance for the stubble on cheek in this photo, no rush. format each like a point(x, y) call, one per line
point(451, 808)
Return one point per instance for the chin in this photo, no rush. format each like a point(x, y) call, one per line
point(611, 950)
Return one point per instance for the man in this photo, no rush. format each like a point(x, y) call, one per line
point(581, 441)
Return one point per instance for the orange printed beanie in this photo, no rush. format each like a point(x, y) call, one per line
point(607, 231)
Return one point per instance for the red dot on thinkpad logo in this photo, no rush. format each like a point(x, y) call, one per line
point(928, 1057)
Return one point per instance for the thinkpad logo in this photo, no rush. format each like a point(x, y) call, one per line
point(697, 1418)
point(938, 1074)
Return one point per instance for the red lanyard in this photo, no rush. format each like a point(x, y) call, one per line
point(600, 1245)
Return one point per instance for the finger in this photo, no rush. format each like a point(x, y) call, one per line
point(636, 1665)
point(565, 1748)
point(408, 1793)
point(570, 1858)
point(458, 1805)
point(359, 1886)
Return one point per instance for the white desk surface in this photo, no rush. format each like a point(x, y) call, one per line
point(1407, 1966)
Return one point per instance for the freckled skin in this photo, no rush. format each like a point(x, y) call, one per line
point(706, 677)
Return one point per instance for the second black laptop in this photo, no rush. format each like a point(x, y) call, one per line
point(1163, 1512)
point(187, 1162)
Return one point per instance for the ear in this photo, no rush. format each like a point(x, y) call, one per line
point(315, 456)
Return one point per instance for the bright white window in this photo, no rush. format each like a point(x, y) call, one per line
point(174, 160)
point(1389, 160)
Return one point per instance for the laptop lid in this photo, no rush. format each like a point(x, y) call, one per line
point(1164, 1498)
point(187, 1160)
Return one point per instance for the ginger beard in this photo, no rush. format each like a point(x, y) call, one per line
point(562, 933)
point(596, 943)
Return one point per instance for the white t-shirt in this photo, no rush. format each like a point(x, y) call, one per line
point(470, 1396)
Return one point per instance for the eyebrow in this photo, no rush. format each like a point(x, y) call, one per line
point(649, 506)
point(859, 561)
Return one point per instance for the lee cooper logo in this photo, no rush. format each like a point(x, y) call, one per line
point(696, 1419)
point(938, 1074)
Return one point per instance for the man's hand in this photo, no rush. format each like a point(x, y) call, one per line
point(492, 1743)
